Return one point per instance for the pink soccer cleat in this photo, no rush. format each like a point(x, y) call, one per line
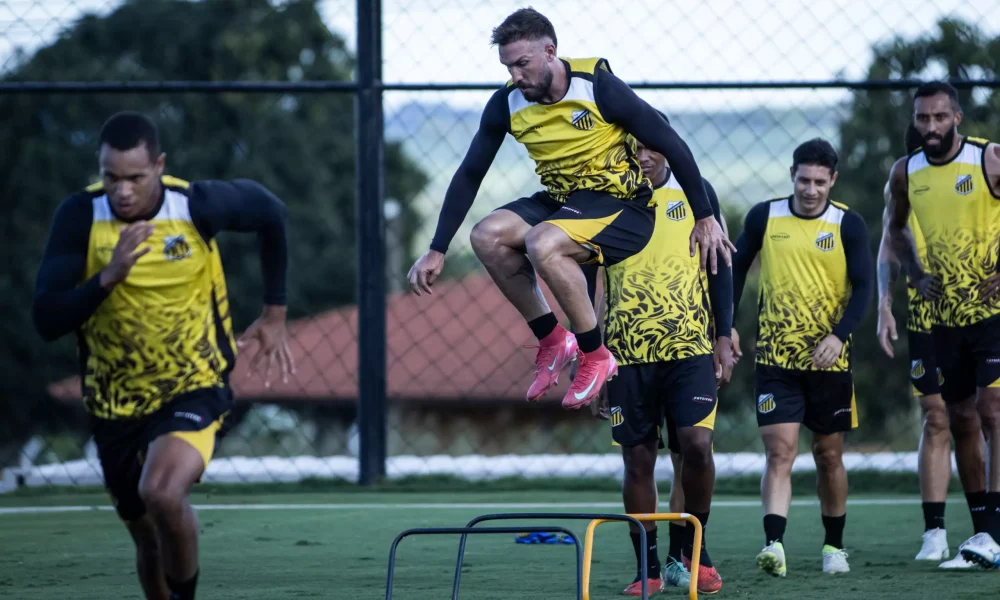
point(553, 355)
point(595, 369)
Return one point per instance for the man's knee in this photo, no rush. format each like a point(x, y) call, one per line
point(828, 455)
point(988, 407)
point(935, 418)
point(964, 419)
point(640, 462)
point(696, 446)
point(162, 496)
point(780, 453)
point(545, 241)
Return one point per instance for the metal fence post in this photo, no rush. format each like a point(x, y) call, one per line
point(370, 173)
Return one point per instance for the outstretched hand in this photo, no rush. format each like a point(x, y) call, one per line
point(271, 336)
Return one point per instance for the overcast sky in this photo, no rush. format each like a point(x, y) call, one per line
point(644, 40)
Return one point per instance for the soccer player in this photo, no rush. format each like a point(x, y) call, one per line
point(934, 459)
point(953, 186)
point(660, 331)
point(575, 117)
point(816, 282)
point(132, 267)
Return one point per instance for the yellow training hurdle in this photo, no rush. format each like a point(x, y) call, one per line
point(588, 546)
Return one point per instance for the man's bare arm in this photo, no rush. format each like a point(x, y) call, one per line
point(887, 264)
point(898, 229)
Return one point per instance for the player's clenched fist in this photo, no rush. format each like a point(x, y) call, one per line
point(126, 252)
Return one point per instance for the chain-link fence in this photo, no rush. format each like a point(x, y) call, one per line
point(743, 83)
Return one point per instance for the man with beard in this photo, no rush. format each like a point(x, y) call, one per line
point(934, 462)
point(574, 117)
point(953, 186)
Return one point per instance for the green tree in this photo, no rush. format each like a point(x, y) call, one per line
point(871, 140)
point(300, 146)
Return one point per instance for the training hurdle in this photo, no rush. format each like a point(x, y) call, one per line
point(467, 530)
point(692, 521)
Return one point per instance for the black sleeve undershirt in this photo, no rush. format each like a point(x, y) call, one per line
point(619, 104)
point(243, 205)
point(747, 246)
point(464, 186)
point(860, 272)
point(720, 284)
point(62, 302)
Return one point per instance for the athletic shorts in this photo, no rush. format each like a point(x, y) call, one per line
point(611, 228)
point(641, 397)
point(195, 417)
point(969, 358)
point(823, 401)
point(924, 373)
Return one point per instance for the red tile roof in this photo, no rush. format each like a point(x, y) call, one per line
point(465, 342)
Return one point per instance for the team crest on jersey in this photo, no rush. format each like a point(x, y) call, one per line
point(175, 247)
point(616, 416)
point(917, 369)
point(964, 184)
point(676, 211)
point(940, 377)
point(824, 241)
point(766, 403)
point(582, 119)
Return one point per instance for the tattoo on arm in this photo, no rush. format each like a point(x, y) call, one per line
point(898, 228)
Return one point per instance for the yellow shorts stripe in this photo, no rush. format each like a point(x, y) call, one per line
point(709, 421)
point(854, 409)
point(995, 384)
point(203, 441)
point(583, 231)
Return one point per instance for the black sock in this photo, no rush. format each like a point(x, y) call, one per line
point(705, 561)
point(933, 515)
point(183, 590)
point(589, 340)
point(991, 523)
point(834, 531)
point(774, 529)
point(977, 508)
point(652, 557)
point(676, 541)
point(543, 325)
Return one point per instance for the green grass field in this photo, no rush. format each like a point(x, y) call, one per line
point(335, 545)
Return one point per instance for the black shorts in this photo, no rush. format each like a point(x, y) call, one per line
point(823, 401)
point(640, 397)
point(924, 373)
point(969, 358)
point(195, 416)
point(611, 228)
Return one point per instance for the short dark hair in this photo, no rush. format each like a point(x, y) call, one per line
point(933, 88)
point(912, 139)
point(816, 151)
point(126, 130)
point(523, 24)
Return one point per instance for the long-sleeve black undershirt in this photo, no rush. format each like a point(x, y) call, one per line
point(618, 104)
point(61, 304)
point(857, 253)
point(720, 284)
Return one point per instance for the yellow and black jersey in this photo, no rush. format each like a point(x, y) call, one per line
point(959, 215)
point(660, 304)
point(166, 329)
point(584, 141)
point(918, 316)
point(574, 147)
point(816, 279)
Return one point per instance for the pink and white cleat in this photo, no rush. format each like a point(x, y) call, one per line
point(554, 353)
point(595, 369)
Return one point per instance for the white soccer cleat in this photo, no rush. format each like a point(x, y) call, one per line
point(959, 562)
point(935, 545)
point(835, 560)
point(982, 550)
point(771, 560)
